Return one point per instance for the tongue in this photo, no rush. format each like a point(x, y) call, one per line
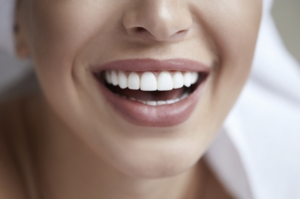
point(150, 95)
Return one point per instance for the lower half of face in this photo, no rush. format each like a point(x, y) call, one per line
point(147, 84)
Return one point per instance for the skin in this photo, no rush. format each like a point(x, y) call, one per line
point(86, 150)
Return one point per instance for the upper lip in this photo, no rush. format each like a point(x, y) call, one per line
point(140, 65)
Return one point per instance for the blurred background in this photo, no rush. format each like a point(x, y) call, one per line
point(287, 18)
point(285, 12)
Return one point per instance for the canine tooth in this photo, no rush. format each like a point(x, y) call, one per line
point(122, 80)
point(133, 81)
point(152, 103)
point(178, 80)
point(114, 78)
point(164, 81)
point(108, 77)
point(148, 82)
point(161, 102)
point(195, 76)
point(187, 79)
point(132, 99)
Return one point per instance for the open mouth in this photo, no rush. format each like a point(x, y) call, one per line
point(151, 88)
point(149, 92)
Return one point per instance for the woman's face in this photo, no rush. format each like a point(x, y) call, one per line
point(86, 52)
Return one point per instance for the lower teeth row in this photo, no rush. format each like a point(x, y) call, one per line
point(158, 103)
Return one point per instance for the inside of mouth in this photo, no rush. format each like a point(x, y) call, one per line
point(140, 95)
point(149, 95)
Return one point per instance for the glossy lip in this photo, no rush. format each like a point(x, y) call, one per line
point(155, 116)
point(141, 65)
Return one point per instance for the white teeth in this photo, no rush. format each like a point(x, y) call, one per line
point(152, 103)
point(164, 81)
point(148, 82)
point(122, 80)
point(108, 77)
point(114, 78)
point(170, 101)
point(143, 102)
point(178, 80)
point(187, 79)
point(133, 81)
point(195, 77)
point(159, 103)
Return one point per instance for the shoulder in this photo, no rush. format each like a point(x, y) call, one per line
point(10, 181)
point(10, 176)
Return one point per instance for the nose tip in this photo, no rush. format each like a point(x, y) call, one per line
point(158, 20)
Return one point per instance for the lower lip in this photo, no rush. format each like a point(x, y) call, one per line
point(155, 116)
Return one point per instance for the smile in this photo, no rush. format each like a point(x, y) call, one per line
point(149, 92)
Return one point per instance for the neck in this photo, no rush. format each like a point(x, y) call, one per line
point(69, 168)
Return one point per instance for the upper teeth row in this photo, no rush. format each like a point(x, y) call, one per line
point(148, 81)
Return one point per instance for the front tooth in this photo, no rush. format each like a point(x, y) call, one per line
point(114, 78)
point(122, 79)
point(133, 81)
point(161, 102)
point(164, 81)
point(148, 82)
point(151, 103)
point(187, 79)
point(194, 77)
point(178, 80)
point(108, 77)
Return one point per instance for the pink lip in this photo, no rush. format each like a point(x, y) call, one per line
point(140, 65)
point(154, 116)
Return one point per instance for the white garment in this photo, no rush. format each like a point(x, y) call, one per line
point(257, 155)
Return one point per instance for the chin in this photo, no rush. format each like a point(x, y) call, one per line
point(157, 160)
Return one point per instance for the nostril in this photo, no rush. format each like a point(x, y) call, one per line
point(181, 32)
point(140, 30)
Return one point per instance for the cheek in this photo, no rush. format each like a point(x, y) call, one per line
point(235, 34)
point(233, 28)
point(59, 32)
